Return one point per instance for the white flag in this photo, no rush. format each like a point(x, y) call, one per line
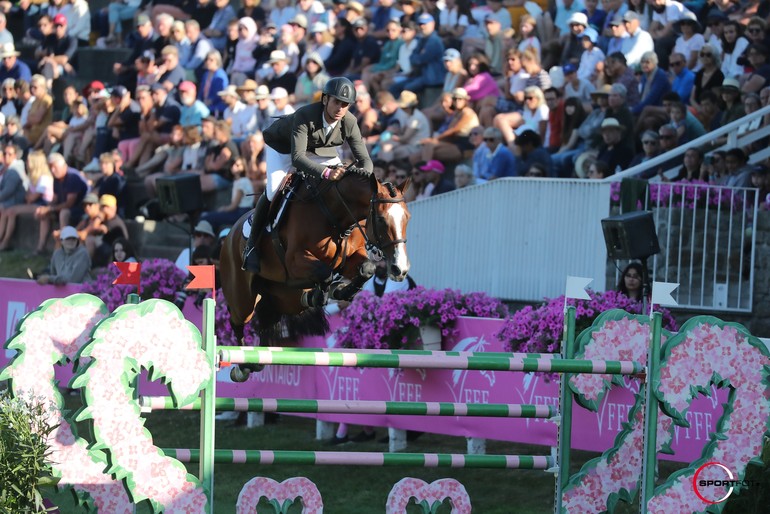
point(576, 288)
point(661, 293)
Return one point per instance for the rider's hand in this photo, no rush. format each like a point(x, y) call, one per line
point(333, 173)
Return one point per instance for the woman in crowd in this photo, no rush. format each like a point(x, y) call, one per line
point(40, 193)
point(690, 41)
point(243, 60)
point(631, 281)
point(449, 144)
point(512, 98)
point(213, 80)
point(9, 104)
point(757, 78)
point(709, 76)
point(574, 114)
point(480, 83)
point(320, 40)
point(241, 201)
point(40, 115)
point(311, 81)
point(463, 176)
point(733, 46)
point(455, 77)
point(534, 116)
point(691, 168)
point(375, 74)
point(219, 160)
point(456, 22)
point(123, 251)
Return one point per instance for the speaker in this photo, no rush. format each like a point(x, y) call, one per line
point(630, 236)
point(180, 193)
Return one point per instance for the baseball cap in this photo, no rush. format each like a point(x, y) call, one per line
point(435, 166)
point(359, 22)
point(142, 19)
point(300, 20)
point(425, 18)
point(96, 85)
point(186, 85)
point(450, 54)
point(108, 200)
point(569, 68)
point(407, 99)
point(279, 92)
point(318, 27)
point(90, 198)
point(119, 91)
point(590, 34)
point(460, 92)
point(578, 18)
point(630, 16)
point(616, 20)
point(60, 19)
point(204, 227)
point(263, 92)
point(68, 232)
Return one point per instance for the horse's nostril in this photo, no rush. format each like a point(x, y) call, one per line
point(395, 270)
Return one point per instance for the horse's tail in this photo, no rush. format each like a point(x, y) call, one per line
point(274, 327)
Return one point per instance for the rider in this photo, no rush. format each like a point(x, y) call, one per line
point(310, 140)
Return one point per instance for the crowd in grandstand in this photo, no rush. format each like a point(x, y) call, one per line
point(449, 93)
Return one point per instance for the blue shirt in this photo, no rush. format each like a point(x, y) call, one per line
point(501, 163)
point(683, 84)
point(193, 114)
point(73, 182)
point(481, 163)
point(19, 71)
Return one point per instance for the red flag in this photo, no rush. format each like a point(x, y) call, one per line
point(204, 277)
point(130, 274)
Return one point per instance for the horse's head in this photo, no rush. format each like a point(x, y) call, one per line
point(386, 226)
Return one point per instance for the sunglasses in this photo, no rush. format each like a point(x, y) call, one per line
point(754, 30)
point(649, 142)
point(401, 177)
point(529, 98)
point(667, 137)
point(705, 54)
point(677, 63)
point(490, 139)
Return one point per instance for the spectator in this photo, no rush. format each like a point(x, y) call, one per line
point(534, 116)
point(435, 184)
point(574, 114)
point(618, 37)
point(493, 44)
point(618, 109)
point(449, 145)
point(241, 200)
point(343, 48)
point(480, 159)
point(683, 77)
point(555, 106)
point(455, 77)
point(464, 176)
point(119, 11)
point(40, 114)
point(650, 148)
point(386, 67)
point(40, 193)
point(631, 281)
point(639, 41)
point(193, 151)
point(170, 73)
point(598, 170)
point(426, 57)
point(14, 135)
point(689, 43)
point(415, 129)
point(756, 79)
point(123, 251)
point(203, 234)
point(730, 93)
point(57, 51)
point(314, 12)
point(128, 147)
point(501, 160)
point(108, 181)
point(616, 151)
point(99, 245)
point(181, 42)
point(70, 264)
point(12, 188)
point(691, 169)
point(709, 77)
point(564, 162)
point(527, 36)
point(576, 87)
point(216, 31)
point(592, 58)
point(733, 46)
point(9, 105)
point(213, 81)
point(281, 75)
point(142, 43)
point(192, 110)
point(219, 159)
point(366, 51)
point(528, 149)
point(164, 116)
point(512, 99)
point(537, 75)
point(736, 164)
point(709, 113)
point(665, 14)
point(74, 109)
point(168, 156)
point(311, 80)
point(654, 83)
point(686, 124)
point(480, 83)
point(13, 67)
point(200, 47)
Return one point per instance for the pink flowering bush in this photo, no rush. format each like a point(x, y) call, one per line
point(539, 329)
point(160, 279)
point(394, 320)
point(224, 332)
point(687, 193)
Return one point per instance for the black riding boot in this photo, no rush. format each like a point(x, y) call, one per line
point(258, 222)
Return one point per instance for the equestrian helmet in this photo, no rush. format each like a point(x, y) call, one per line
point(341, 88)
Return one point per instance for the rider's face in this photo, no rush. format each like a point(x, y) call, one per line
point(336, 109)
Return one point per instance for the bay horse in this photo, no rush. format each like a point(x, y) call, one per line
point(326, 234)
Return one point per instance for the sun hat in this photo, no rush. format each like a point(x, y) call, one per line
point(204, 227)
point(407, 99)
point(68, 232)
point(108, 200)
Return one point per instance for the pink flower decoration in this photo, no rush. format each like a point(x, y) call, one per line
point(408, 488)
point(288, 490)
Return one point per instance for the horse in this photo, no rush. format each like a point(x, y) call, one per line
point(320, 249)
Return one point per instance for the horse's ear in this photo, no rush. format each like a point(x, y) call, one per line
point(405, 185)
point(373, 181)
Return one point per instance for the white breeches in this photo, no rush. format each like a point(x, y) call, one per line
point(279, 164)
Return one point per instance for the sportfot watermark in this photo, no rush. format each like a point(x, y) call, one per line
point(717, 490)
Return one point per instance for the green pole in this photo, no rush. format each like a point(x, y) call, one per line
point(651, 414)
point(565, 409)
point(134, 299)
point(209, 395)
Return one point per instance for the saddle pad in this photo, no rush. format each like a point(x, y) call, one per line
point(246, 228)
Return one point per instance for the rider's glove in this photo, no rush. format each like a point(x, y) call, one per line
point(327, 173)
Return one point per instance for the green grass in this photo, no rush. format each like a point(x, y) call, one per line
point(14, 264)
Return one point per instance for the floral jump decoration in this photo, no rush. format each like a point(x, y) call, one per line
point(539, 329)
point(393, 321)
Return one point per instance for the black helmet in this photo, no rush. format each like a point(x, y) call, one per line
point(341, 88)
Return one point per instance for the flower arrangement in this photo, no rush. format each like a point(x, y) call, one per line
point(24, 453)
point(160, 279)
point(393, 321)
point(539, 329)
point(223, 330)
point(687, 193)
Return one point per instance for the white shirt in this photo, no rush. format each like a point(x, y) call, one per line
point(232, 111)
point(694, 44)
point(244, 122)
point(636, 45)
point(391, 286)
point(730, 66)
point(328, 127)
point(588, 61)
point(419, 122)
point(404, 52)
point(673, 12)
point(25, 111)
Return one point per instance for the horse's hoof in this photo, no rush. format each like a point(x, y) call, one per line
point(240, 373)
point(367, 269)
point(314, 298)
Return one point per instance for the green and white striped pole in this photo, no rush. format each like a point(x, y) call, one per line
point(427, 361)
point(313, 458)
point(565, 410)
point(492, 410)
point(207, 405)
point(649, 464)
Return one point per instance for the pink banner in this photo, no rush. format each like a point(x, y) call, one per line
point(591, 431)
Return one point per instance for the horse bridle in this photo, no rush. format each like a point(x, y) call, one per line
point(375, 248)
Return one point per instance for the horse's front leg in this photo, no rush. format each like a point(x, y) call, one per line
point(344, 290)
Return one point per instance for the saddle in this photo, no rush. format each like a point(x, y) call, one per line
point(289, 184)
